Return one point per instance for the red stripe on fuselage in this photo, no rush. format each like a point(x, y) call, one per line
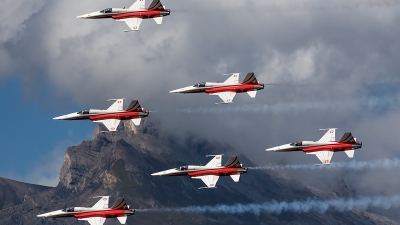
point(118, 116)
point(139, 14)
point(216, 172)
point(232, 88)
point(105, 214)
point(334, 148)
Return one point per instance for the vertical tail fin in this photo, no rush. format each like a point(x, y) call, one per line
point(139, 4)
point(120, 204)
point(347, 138)
point(156, 5)
point(250, 79)
point(233, 162)
point(134, 106)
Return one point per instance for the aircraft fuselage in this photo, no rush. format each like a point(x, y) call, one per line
point(195, 171)
point(313, 146)
point(103, 115)
point(212, 88)
point(120, 13)
point(83, 212)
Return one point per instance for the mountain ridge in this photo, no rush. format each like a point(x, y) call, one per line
point(120, 164)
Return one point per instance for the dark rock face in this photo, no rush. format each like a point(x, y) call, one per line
point(120, 164)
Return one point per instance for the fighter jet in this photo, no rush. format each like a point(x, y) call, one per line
point(324, 147)
point(133, 15)
point(227, 90)
point(96, 215)
point(209, 173)
point(111, 116)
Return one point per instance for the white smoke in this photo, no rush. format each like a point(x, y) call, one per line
point(275, 207)
point(366, 104)
point(352, 165)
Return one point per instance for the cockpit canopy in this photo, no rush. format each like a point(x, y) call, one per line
point(296, 143)
point(86, 111)
point(202, 84)
point(70, 209)
point(183, 168)
point(108, 10)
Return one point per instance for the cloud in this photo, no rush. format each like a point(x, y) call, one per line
point(322, 53)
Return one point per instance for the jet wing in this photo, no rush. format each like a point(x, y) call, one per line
point(111, 124)
point(117, 105)
point(227, 96)
point(95, 220)
point(133, 23)
point(215, 162)
point(209, 180)
point(324, 156)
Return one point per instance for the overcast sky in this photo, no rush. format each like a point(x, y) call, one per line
point(333, 63)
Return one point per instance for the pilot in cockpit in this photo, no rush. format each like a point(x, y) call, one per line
point(202, 84)
point(86, 111)
point(183, 168)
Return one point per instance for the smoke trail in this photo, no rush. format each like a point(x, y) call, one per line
point(275, 207)
point(371, 103)
point(352, 165)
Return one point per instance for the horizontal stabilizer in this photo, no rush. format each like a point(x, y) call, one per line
point(158, 20)
point(350, 153)
point(235, 177)
point(122, 219)
point(136, 121)
point(252, 93)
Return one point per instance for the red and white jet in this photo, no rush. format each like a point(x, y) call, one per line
point(111, 116)
point(209, 173)
point(324, 147)
point(227, 90)
point(96, 215)
point(133, 15)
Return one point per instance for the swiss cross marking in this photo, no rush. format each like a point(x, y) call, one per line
point(104, 199)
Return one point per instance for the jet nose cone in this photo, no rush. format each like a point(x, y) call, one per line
point(270, 149)
point(174, 91)
point(82, 16)
point(58, 118)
